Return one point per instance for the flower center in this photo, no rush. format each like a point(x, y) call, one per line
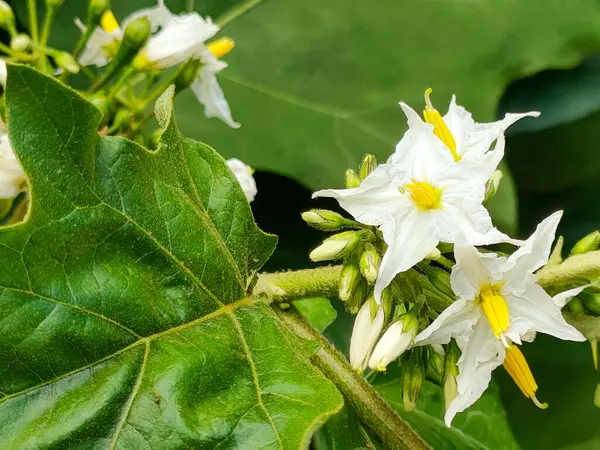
point(519, 371)
point(221, 47)
point(440, 129)
point(425, 196)
point(496, 310)
point(108, 22)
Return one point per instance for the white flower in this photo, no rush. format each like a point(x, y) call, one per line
point(3, 72)
point(396, 340)
point(468, 142)
point(417, 205)
point(12, 177)
point(499, 304)
point(243, 173)
point(365, 333)
point(102, 45)
point(209, 92)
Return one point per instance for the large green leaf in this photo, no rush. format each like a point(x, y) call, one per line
point(125, 320)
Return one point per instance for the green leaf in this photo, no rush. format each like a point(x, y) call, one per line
point(125, 320)
point(343, 431)
point(318, 311)
point(483, 426)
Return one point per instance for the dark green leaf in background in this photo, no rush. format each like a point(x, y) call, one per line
point(124, 316)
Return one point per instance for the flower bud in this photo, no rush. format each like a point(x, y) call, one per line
point(450, 372)
point(349, 279)
point(54, 3)
point(137, 33)
point(597, 396)
point(395, 341)
point(352, 179)
point(587, 243)
point(121, 120)
point(433, 254)
point(187, 75)
point(368, 165)
point(369, 263)
point(95, 10)
point(7, 17)
point(358, 298)
point(591, 301)
point(20, 42)
point(338, 246)
point(412, 379)
point(576, 306)
point(66, 61)
point(492, 186)
point(364, 336)
point(325, 220)
point(436, 359)
point(440, 279)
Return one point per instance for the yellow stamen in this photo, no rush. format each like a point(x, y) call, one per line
point(221, 47)
point(424, 195)
point(519, 371)
point(496, 310)
point(440, 129)
point(108, 22)
point(142, 63)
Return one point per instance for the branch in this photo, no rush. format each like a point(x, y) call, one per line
point(373, 411)
point(293, 285)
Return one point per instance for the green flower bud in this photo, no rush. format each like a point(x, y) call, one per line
point(339, 246)
point(66, 61)
point(95, 10)
point(440, 279)
point(20, 42)
point(121, 121)
point(7, 17)
point(5, 206)
point(325, 220)
point(436, 359)
point(352, 179)
point(155, 138)
point(576, 306)
point(105, 106)
point(450, 372)
point(358, 298)
point(368, 165)
point(369, 263)
point(493, 185)
point(412, 379)
point(140, 139)
point(187, 75)
point(591, 301)
point(587, 243)
point(137, 33)
point(54, 3)
point(349, 279)
point(597, 396)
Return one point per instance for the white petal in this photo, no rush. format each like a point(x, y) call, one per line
point(535, 310)
point(456, 320)
point(410, 238)
point(158, 16)
point(181, 39)
point(243, 173)
point(3, 72)
point(481, 355)
point(12, 177)
point(365, 334)
point(377, 199)
point(94, 52)
point(209, 93)
point(534, 253)
point(470, 271)
point(562, 298)
point(392, 344)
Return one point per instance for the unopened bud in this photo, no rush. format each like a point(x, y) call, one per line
point(66, 61)
point(54, 3)
point(587, 243)
point(96, 8)
point(493, 185)
point(412, 379)
point(597, 396)
point(104, 105)
point(357, 300)
point(368, 165)
point(576, 306)
point(349, 279)
point(450, 372)
point(395, 341)
point(121, 121)
point(433, 254)
point(436, 359)
point(155, 138)
point(338, 246)
point(440, 279)
point(7, 17)
point(365, 334)
point(352, 179)
point(20, 42)
point(369, 263)
point(325, 220)
point(187, 75)
point(137, 33)
point(591, 301)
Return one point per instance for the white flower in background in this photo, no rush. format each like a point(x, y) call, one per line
point(243, 173)
point(396, 340)
point(500, 304)
point(3, 72)
point(365, 334)
point(12, 177)
point(417, 206)
point(102, 45)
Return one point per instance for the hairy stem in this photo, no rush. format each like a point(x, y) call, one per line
point(372, 410)
point(293, 285)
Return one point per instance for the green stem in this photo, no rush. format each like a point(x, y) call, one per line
point(33, 22)
point(293, 285)
point(576, 268)
point(48, 17)
point(373, 411)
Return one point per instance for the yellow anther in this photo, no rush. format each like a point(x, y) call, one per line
point(221, 47)
point(142, 63)
point(440, 129)
point(496, 310)
point(425, 195)
point(108, 22)
point(518, 369)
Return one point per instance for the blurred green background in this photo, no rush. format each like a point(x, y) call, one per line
point(316, 84)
